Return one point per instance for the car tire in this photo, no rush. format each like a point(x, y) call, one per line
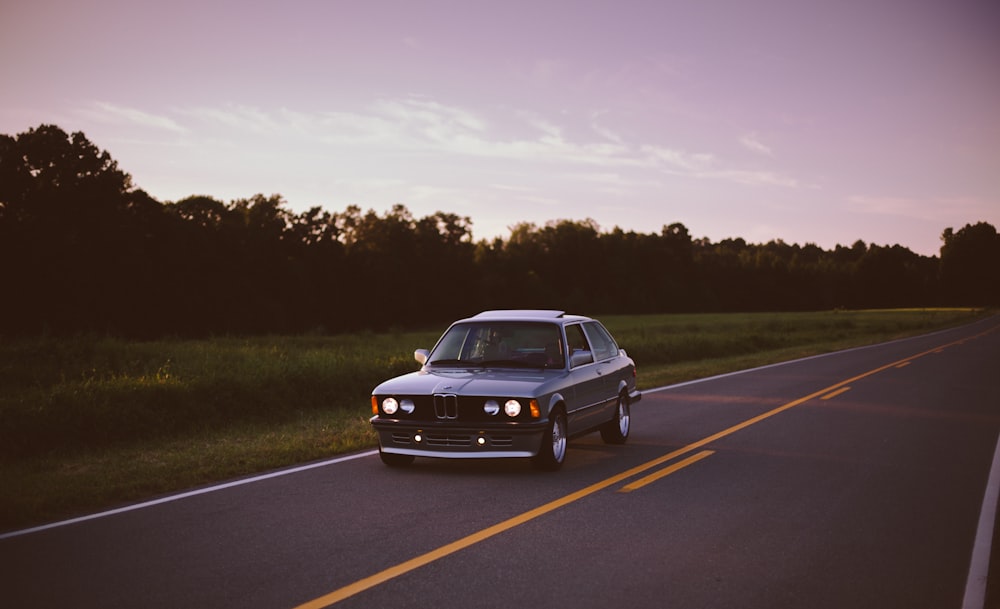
point(616, 430)
point(394, 460)
point(552, 452)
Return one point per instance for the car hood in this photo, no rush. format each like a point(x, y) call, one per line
point(464, 381)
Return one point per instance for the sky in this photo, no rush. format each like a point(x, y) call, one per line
point(800, 120)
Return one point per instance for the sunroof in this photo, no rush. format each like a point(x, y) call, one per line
point(521, 313)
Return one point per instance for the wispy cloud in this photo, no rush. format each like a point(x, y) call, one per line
point(418, 125)
point(434, 118)
point(603, 131)
point(706, 166)
point(752, 142)
point(242, 118)
point(679, 159)
point(108, 112)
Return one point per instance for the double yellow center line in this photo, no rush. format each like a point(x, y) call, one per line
point(666, 471)
point(470, 540)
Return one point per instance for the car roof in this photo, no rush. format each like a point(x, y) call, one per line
point(525, 314)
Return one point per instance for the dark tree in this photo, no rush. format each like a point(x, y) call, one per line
point(970, 264)
point(75, 235)
point(83, 250)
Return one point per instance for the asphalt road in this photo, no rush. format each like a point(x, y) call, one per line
point(850, 480)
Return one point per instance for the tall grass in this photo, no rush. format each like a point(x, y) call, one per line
point(670, 339)
point(66, 395)
point(91, 421)
point(674, 348)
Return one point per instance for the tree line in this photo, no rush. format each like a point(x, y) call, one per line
point(84, 250)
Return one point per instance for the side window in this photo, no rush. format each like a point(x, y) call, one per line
point(579, 348)
point(604, 346)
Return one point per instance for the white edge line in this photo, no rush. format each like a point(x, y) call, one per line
point(194, 493)
point(735, 373)
point(748, 370)
point(294, 470)
point(979, 568)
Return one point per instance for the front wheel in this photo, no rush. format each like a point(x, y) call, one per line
point(552, 452)
point(616, 430)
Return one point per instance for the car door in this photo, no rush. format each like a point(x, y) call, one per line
point(606, 363)
point(583, 409)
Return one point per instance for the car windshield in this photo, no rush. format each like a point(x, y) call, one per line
point(502, 344)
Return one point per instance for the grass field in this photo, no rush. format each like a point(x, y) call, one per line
point(92, 422)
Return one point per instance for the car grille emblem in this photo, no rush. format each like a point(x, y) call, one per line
point(446, 405)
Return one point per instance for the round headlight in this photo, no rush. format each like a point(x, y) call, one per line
point(390, 405)
point(491, 407)
point(407, 405)
point(512, 408)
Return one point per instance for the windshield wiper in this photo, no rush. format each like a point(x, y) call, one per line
point(509, 363)
point(449, 362)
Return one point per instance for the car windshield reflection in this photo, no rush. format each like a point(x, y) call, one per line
point(501, 344)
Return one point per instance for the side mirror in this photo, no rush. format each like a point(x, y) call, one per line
point(421, 355)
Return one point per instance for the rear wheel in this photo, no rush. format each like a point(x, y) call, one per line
point(552, 452)
point(616, 430)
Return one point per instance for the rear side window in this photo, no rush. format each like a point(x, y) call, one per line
point(600, 341)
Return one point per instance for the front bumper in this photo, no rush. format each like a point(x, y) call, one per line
point(457, 441)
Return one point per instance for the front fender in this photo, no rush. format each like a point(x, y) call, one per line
point(554, 400)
